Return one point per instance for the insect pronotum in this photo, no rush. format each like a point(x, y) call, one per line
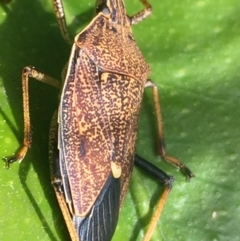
point(93, 133)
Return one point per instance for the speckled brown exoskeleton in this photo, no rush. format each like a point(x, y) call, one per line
point(93, 133)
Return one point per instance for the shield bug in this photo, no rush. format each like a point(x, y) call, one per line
point(93, 133)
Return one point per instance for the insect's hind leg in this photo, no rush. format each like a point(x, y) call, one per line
point(166, 180)
point(29, 72)
point(162, 150)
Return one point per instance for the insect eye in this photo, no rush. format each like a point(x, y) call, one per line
point(114, 16)
point(114, 19)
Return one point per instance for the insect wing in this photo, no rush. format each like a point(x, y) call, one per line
point(122, 96)
point(83, 134)
point(101, 222)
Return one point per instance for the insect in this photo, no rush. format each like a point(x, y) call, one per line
point(93, 133)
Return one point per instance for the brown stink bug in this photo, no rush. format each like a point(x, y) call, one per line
point(93, 133)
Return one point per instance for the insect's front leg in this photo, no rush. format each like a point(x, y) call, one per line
point(162, 150)
point(138, 17)
point(60, 15)
point(29, 72)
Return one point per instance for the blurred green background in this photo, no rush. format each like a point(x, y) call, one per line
point(193, 48)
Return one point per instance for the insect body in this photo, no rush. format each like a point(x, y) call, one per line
point(93, 134)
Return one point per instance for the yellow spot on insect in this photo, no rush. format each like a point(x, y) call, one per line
point(116, 170)
point(104, 77)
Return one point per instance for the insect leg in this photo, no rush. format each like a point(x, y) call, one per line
point(60, 15)
point(166, 180)
point(57, 179)
point(162, 150)
point(27, 72)
point(138, 17)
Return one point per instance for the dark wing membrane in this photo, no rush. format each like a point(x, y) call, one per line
point(101, 222)
point(84, 138)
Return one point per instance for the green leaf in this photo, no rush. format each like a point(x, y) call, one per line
point(193, 48)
